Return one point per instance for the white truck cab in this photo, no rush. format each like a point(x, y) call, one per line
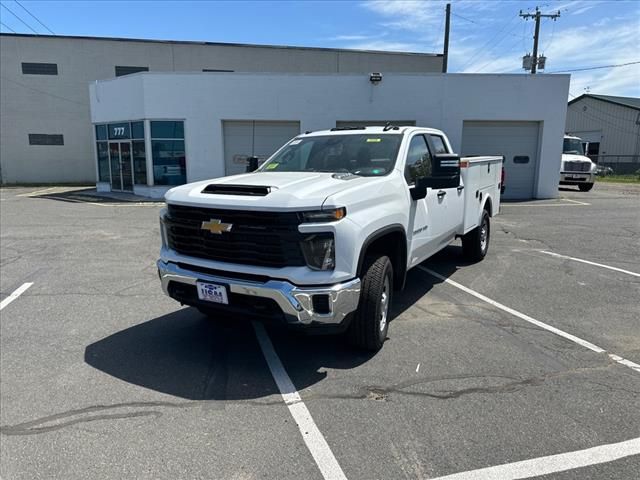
point(322, 233)
point(576, 168)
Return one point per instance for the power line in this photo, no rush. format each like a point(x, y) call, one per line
point(582, 69)
point(495, 45)
point(481, 49)
point(22, 21)
point(36, 18)
point(8, 27)
point(465, 18)
point(6, 79)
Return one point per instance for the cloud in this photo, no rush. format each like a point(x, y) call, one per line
point(490, 37)
point(382, 45)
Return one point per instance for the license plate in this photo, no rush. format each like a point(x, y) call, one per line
point(576, 177)
point(210, 292)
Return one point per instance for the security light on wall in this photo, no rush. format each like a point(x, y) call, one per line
point(375, 77)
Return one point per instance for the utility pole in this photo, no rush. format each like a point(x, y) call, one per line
point(445, 55)
point(537, 16)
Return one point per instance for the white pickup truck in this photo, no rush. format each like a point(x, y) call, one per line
point(576, 168)
point(326, 229)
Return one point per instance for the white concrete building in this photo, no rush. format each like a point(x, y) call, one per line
point(154, 130)
point(45, 132)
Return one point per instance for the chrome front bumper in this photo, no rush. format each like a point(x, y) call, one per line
point(295, 302)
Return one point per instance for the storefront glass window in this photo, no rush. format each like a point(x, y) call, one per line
point(139, 163)
point(101, 132)
point(103, 161)
point(119, 137)
point(167, 144)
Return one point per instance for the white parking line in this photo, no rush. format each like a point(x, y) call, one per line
point(553, 254)
point(553, 463)
point(18, 291)
point(317, 445)
point(575, 201)
point(527, 318)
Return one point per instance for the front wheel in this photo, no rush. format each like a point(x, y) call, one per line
point(585, 187)
point(369, 327)
point(475, 244)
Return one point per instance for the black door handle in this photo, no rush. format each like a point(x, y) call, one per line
point(441, 193)
point(460, 188)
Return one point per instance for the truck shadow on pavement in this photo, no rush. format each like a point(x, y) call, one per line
point(187, 355)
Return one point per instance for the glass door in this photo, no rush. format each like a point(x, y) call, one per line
point(120, 166)
point(126, 169)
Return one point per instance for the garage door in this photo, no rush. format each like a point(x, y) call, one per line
point(374, 123)
point(245, 138)
point(517, 141)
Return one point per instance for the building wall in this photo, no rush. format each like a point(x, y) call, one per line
point(617, 126)
point(442, 101)
point(59, 104)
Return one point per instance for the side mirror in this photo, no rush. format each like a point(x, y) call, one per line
point(445, 171)
point(419, 190)
point(252, 164)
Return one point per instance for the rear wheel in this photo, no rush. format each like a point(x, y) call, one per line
point(369, 327)
point(475, 244)
point(585, 187)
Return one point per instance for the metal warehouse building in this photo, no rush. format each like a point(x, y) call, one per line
point(609, 128)
point(180, 112)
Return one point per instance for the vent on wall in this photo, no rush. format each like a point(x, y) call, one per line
point(39, 68)
point(120, 70)
point(45, 139)
point(248, 190)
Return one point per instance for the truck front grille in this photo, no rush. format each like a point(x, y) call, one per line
point(577, 166)
point(266, 239)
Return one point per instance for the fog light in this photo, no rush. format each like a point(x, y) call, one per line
point(319, 251)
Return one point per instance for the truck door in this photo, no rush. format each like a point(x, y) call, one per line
point(452, 199)
point(428, 215)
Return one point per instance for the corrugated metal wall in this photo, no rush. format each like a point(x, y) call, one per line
point(618, 125)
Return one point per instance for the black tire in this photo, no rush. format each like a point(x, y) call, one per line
point(585, 187)
point(475, 244)
point(370, 324)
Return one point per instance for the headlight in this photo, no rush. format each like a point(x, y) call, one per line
point(324, 215)
point(319, 251)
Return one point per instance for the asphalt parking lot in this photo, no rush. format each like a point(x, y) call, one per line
point(489, 370)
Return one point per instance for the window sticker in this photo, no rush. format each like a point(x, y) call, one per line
point(295, 142)
point(272, 166)
point(374, 140)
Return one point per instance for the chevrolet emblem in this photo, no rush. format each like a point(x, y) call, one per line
point(215, 226)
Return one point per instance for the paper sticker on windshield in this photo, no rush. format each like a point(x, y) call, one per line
point(272, 166)
point(295, 142)
point(374, 140)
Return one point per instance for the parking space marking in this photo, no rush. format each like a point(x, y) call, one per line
point(527, 318)
point(552, 463)
point(18, 291)
point(37, 192)
point(575, 201)
point(553, 254)
point(313, 438)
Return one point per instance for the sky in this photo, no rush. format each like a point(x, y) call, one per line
point(486, 36)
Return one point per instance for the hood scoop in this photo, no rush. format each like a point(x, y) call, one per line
point(246, 190)
point(345, 176)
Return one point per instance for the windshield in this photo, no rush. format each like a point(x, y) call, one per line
point(573, 146)
point(365, 155)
